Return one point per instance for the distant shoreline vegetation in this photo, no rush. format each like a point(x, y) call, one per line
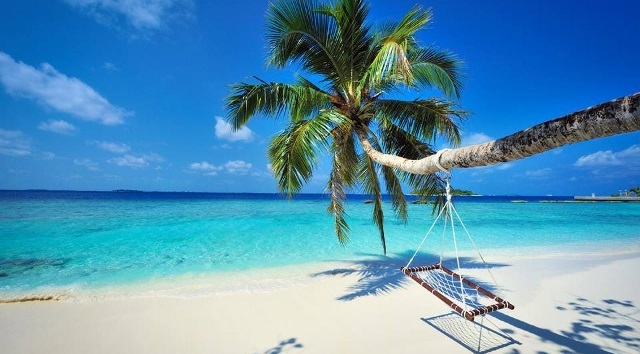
point(424, 198)
point(454, 191)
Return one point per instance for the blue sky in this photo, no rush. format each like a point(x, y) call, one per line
point(109, 94)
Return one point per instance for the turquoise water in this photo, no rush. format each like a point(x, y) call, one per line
point(60, 240)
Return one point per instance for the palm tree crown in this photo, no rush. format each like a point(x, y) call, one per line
point(357, 66)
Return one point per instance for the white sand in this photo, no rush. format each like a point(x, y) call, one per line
point(577, 304)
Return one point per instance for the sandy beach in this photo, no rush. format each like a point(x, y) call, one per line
point(564, 303)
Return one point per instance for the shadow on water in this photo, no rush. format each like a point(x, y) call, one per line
point(379, 275)
point(17, 266)
point(288, 345)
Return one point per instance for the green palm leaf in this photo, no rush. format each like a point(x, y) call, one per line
point(336, 189)
point(437, 69)
point(297, 31)
point(399, 142)
point(402, 143)
point(423, 118)
point(354, 37)
point(343, 174)
point(294, 151)
point(391, 59)
point(394, 189)
point(273, 99)
point(369, 177)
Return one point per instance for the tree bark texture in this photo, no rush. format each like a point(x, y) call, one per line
point(618, 116)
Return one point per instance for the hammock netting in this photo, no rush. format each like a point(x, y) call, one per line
point(464, 296)
point(460, 294)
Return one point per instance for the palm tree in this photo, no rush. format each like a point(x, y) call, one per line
point(356, 68)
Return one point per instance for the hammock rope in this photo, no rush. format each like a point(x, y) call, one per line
point(461, 294)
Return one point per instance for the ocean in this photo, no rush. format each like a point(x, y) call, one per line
point(72, 243)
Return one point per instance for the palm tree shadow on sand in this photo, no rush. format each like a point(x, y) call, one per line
point(378, 275)
point(473, 336)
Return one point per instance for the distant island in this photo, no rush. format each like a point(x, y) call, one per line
point(127, 191)
point(424, 199)
point(462, 192)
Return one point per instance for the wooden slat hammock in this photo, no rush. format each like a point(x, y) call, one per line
point(459, 293)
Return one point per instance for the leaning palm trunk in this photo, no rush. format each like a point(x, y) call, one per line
point(619, 116)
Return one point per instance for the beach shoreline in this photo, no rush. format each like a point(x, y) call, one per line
point(273, 278)
point(563, 302)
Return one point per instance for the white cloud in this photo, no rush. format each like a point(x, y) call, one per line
point(135, 161)
point(14, 143)
point(65, 94)
point(109, 66)
point(225, 131)
point(627, 157)
point(237, 167)
point(90, 165)
point(205, 168)
point(484, 170)
point(118, 148)
point(129, 161)
point(141, 14)
point(539, 174)
point(475, 138)
point(58, 126)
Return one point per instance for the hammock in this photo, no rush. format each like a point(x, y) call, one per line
point(459, 293)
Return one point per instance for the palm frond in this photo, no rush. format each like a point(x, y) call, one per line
point(392, 61)
point(272, 99)
point(438, 69)
point(412, 22)
point(401, 143)
point(336, 206)
point(391, 64)
point(355, 40)
point(343, 174)
point(309, 100)
point(397, 141)
point(297, 31)
point(393, 185)
point(426, 119)
point(368, 176)
point(345, 156)
point(293, 152)
point(428, 186)
point(394, 189)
